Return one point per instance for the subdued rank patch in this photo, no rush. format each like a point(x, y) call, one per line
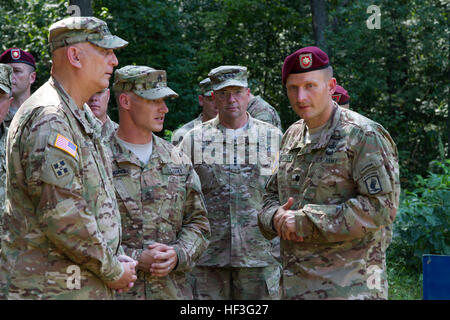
point(60, 168)
point(373, 184)
point(66, 145)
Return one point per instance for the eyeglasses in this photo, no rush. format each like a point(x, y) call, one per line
point(225, 94)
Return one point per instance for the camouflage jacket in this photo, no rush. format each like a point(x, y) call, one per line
point(109, 128)
point(233, 186)
point(4, 134)
point(261, 110)
point(346, 192)
point(160, 201)
point(8, 118)
point(62, 214)
point(178, 134)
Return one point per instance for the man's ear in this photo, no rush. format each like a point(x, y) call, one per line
point(32, 77)
point(125, 101)
point(200, 100)
point(73, 56)
point(331, 85)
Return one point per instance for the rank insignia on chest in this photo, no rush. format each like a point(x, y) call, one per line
point(120, 172)
point(373, 184)
point(60, 168)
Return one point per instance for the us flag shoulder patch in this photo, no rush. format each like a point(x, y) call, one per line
point(66, 145)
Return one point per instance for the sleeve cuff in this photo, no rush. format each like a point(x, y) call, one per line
point(114, 273)
point(303, 227)
point(182, 259)
point(266, 223)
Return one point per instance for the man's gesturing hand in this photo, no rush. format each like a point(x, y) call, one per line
point(284, 222)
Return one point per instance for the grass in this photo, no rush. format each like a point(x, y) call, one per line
point(404, 283)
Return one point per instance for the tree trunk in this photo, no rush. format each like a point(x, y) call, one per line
point(319, 23)
point(85, 8)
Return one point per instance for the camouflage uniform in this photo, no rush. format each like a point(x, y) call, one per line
point(160, 201)
point(109, 128)
point(62, 210)
point(6, 73)
point(62, 217)
point(179, 134)
point(346, 192)
point(233, 192)
point(3, 133)
point(261, 110)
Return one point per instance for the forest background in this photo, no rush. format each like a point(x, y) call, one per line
point(391, 56)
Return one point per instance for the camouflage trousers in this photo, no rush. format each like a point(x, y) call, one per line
point(174, 286)
point(229, 283)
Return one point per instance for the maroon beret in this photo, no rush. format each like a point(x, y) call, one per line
point(15, 55)
point(304, 60)
point(341, 95)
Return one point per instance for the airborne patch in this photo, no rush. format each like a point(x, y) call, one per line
point(373, 184)
point(60, 168)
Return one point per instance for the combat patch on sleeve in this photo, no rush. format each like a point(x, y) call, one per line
point(66, 145)
point(61, 169)
point(373, 184)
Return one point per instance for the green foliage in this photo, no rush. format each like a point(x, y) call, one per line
point(397, 75)
point(423, 220)
point(24, 24)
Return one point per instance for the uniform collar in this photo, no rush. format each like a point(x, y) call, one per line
point(122, 154)
point(86, 119)
point(327, 133)
point(215, 123)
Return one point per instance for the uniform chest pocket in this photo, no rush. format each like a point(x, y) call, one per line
point(212, 176)
point(328, 169)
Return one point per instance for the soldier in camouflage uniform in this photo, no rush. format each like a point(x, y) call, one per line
point(159, 194)
point(209, 111)
point(5, 101)
point(259, 109)
point(98, 104)
point(233, 155)
point(24, 75)
point(341, 97)
point(62, 225)
point(336, 191)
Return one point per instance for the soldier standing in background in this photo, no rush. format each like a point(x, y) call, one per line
point(336, 191)
point(61, 217)
point(209, 111)
point(233, 155)
point(6, 74)
point(159, 194)
point(98, 104)
point(23, 64)
point(259, 109)
point(341, 97)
